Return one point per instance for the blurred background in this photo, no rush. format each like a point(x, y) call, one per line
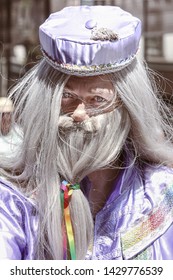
point(19, 44)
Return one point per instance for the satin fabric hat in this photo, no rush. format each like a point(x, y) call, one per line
point(90, 40)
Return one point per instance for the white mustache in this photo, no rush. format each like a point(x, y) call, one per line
point(91, 125)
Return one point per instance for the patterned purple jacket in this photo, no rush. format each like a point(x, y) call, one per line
point(135, 223)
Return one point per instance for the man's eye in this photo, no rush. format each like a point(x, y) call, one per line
point(67, 94)
point(99, 99)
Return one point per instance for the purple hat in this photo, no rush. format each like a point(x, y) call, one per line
point(90, 40)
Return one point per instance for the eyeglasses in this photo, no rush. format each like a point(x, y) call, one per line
point(94, 105)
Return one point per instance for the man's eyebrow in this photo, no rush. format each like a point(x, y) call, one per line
point(70, 91)
point(68, 88)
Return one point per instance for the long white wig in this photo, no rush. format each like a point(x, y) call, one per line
point(49, 154)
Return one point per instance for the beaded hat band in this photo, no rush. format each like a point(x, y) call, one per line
point(84, 70)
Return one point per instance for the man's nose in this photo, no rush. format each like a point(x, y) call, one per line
point(80, 114)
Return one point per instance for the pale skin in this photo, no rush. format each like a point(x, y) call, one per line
point(79, 95)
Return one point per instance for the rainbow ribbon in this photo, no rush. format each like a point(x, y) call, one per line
point(66, 192)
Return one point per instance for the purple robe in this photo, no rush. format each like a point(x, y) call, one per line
point(18, 224)
point(135, 223)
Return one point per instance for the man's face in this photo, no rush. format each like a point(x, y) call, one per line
point(92, 127)
point(87, 96)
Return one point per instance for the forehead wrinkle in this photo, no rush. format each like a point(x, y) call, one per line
point(89, 80)
point(90, 85)
point(98, 90)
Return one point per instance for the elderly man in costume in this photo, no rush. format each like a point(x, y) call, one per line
point(94, 178)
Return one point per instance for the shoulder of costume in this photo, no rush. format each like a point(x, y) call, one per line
point(155, 219)
point(12, 197)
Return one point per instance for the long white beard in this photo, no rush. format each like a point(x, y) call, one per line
point(90, 145)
